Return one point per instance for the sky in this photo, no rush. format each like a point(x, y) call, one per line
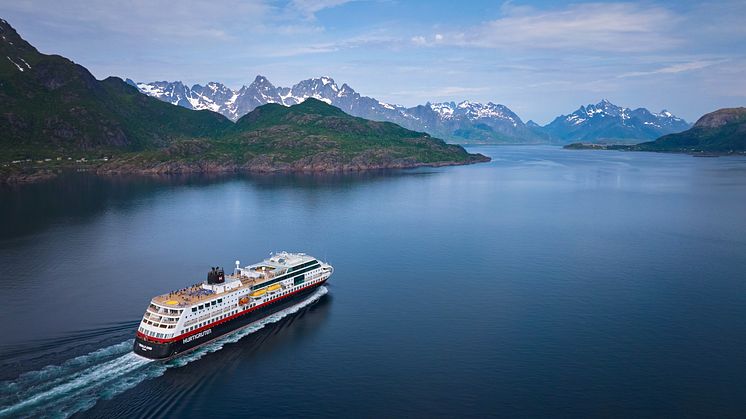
point(539, 58)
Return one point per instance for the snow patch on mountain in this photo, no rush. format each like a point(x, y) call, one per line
point(16, 64)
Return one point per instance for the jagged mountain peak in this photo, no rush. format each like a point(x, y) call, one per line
point(215, 85)
point(346, 90)
point(603, 104)
point(318, 83)
point(607, 121)
point(261, 82)
point(602, 109)
point(11, 41)
point(474, 111)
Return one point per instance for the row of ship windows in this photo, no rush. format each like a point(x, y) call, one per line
point(154, 334)
point(299, 267)
point(298, 285)
point(298, 274)
point(207, 305)
point(197, 326)
point(161, 310)
point(205, 316)
point(157, 318)
point(163, 326)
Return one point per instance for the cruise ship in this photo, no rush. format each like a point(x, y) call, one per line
point(182, 320)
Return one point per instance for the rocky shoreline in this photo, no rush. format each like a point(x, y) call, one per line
point(636, 147)
point(262, 164)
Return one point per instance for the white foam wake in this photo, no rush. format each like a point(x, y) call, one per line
point(77, 384)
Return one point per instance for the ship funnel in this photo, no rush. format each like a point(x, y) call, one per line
point(216, 276)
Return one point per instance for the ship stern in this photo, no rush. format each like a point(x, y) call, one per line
point(153, 350)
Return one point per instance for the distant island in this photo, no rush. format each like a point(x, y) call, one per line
point(58, 116)
point(716, 133)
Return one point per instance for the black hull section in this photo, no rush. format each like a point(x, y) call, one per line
point(163, 351)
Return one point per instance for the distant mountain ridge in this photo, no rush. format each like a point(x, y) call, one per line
point(606, 121)
point(463, 122)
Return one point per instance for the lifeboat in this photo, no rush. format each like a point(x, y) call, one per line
point(274, 287)
point(243, 301)
point(258, 293)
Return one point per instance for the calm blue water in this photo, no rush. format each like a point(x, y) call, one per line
point(547, 282)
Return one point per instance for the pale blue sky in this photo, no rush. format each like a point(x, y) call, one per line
point(540, 58)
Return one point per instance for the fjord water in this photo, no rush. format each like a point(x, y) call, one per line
point(547, 282)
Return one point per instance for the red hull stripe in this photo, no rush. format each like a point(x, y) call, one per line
point(241, 313)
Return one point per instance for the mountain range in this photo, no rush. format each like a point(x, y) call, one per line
point(607, 122)
point(54, 109)
point(463, 122)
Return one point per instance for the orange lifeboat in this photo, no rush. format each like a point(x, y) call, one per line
point(243, 301)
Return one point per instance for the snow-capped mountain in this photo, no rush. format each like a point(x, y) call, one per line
point(605, 121)
point(462, 122)
point(473, 122)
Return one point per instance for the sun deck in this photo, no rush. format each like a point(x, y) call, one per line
point(197, 293)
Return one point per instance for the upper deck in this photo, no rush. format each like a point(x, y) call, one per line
point(247, 277)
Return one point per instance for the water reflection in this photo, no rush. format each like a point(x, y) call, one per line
point(77, 197)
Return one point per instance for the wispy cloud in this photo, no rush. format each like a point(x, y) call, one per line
point(309, 8)
point(674, 68)
point(616, 27)
point(365, 40)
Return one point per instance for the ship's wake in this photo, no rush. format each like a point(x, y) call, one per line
point(76, 385)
